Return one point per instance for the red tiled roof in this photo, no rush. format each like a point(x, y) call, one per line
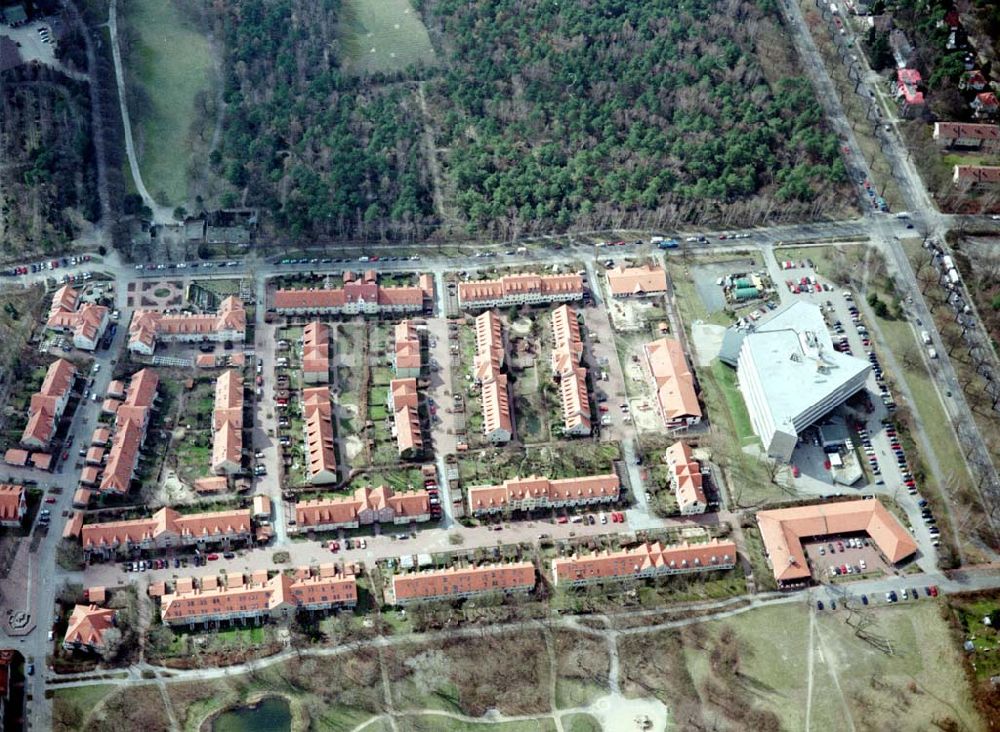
point(675, 392)
point(967, 131)
point(88, 624)
point(784, 529)
point(645, 280)
point(484, 497)
point(320, 447)
point(463, 581)
point(11, 502)
point(645, 558)
point(316, 350)
point(513, 285)
point(685, 474)
point(319, 512)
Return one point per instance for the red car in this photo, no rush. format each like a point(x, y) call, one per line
point(934, 591)
point(795, 471)
point(562, 520)
point(212, 557)
point(65, 455)
point(50, 499)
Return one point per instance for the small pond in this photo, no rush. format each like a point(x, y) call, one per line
point(270, 714)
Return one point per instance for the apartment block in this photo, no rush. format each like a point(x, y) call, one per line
point(316, 353)
point(527, 494)
point(319, 442)
point(227, 424)
point(85, 321)
point(48, 404)
point(13, 505)
point(168, 528)
point(131, 420)
point(676, 396)
point(686, 479)
point(457, 583)
point(644, 281)
point(520, 289)
point(498, 421)
point(148, 327)
point(257, 597)
point(360, 295)
point(645, 561)
point(406, 360)
point(366, 506)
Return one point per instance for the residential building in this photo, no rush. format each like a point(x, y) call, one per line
point(686, 479)
point(644, 281)
point(131, 420)
point(952, 135)
point(406, 350)
point(87, 626)
point(256, 598)
point(531, 493)
point(360, 295)
point(320, 446)
point(261, 507)
point(784, 529)
point(84, 320)
point(902, 49)
point(148, 327)
point(366, 506)
point(567, 345)
point(644, 561)
point(316, 353)
point(985, 104)
point(676, 395)
point(403, 403)
point(227, 424)
point(13, 505)
point(498, 421)
point(911, 99)
point(520, 289)
point(973, 80)
point(567, 352)
point(791, 376)
point(575, 401)
point(48, 404)
point(168, 528)
point(970, 177)
point(456, 583)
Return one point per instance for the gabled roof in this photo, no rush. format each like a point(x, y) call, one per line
point(519, 284)
point(644, 280)
point(147, 325)
point(685, 474)
point(675, 392)
point(407, 346)
point(404, 393)
point(463, 580)
point(407, 425)
point(567, 347)
point(345, 509)
point(11, 498)
point(646, 557)
point(166, 520)
point(965, 130)
point(575, 400)
point(88, 624)
point(483, 497)
point(320, 447)
point(784, 529)
point(46, 406)
point(316, 349)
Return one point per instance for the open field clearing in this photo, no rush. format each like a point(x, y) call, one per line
point(813, 673)
point(167, 85)
point(382, 36)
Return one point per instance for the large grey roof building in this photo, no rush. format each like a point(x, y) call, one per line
point(790, 376)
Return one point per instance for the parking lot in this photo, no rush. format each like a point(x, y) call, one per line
point(851, 556)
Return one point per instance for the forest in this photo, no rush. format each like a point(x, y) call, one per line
point(545, 115)
point(325, 153)
point(48, 178)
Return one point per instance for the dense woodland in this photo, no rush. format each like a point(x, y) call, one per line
point(557, 112)
point(48, 181)
point(545, 115)
point(325, 153)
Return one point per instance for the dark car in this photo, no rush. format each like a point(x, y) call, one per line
point(819, 604)
point(864, 599)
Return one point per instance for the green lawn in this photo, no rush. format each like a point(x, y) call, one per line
point(382, 36)
point(172, 64)
point(725, 381)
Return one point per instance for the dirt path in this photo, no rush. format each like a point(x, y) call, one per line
point(430, 152)
point(553, 677)
point(831, 663)
point(810, 659)
point(161, 214)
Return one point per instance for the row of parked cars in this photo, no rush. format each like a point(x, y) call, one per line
point(24, 269)
point(890, 597)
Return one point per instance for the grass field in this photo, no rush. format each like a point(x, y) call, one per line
point(170, 82)
point(778, 668)
point(382, 36)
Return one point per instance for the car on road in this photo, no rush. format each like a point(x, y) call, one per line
point(212, 557)
point(864, 599)
point(229, 555)
point(50, 499)
point(819, 604)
